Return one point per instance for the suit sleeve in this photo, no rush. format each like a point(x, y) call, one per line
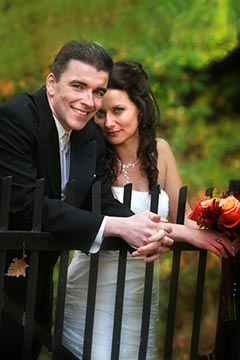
point(18, 148)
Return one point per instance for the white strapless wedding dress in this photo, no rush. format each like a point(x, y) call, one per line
point(76, 296)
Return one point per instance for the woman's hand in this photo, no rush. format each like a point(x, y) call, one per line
point(214, 242)
point(204, 239)
point(158, 243)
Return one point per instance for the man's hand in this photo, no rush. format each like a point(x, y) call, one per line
point(144, 231)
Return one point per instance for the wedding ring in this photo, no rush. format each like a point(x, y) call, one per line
point(219, 239)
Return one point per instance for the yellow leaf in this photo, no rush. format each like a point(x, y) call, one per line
point(17, 267)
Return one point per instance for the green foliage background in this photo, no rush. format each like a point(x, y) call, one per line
point(177, 42)
point(190, 50)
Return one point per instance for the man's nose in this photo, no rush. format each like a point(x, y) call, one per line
point(88, 99)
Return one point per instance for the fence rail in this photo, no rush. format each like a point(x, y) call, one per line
point(37, 241)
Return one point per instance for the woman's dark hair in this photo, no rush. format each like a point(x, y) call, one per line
point(131, 78)
point(85, 51)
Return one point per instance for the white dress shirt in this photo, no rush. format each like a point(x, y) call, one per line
point(64, 149)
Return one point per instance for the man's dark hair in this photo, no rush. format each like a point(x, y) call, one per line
point(88, 52)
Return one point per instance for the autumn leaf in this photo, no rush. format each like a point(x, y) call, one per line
point(17, 267)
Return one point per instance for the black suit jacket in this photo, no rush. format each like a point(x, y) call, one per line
point(29, 150)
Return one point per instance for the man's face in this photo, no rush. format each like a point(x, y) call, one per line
point(77, 95)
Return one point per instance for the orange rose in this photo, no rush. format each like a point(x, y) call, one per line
point(208, 202)
point(230, 212)
point(198, 208)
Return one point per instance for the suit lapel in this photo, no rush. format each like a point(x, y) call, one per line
point(83, 152)
point(48, 144)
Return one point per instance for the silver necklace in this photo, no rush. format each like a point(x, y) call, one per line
point(125, 168)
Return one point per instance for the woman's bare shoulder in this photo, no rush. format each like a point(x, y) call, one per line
point(162, 144)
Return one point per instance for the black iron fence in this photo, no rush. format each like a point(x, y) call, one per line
point(37, 241)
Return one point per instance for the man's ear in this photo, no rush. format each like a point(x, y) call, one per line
point(50, 84)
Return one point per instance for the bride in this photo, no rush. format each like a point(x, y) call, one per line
point(128, 120)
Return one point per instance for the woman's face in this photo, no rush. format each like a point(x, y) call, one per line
point(118, 117)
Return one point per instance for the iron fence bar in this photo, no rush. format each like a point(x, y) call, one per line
point(119, 299)
point(4, 218)
point(182, 199)
point(234, 185)
point(174, 279)
point(93, 272)
point(60, 303)
point(227, 334)
point(127, 195)
point(17, 313)
point(198, 304)
point(91, 300)
point(209, 191)
point(171, 312)
point(148, 283)
point(35, 240)
point(13, 240)
point(28, 322)
point(2, 272)
point(38, 205)
point(61, 289)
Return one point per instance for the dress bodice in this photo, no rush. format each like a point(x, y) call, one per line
point(77, 294)
point(140, 201)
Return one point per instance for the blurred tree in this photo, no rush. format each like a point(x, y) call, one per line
point(191, 52)
point(176, 42)
point(157, 33)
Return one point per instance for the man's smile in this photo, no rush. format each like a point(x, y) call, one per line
point(80, 112)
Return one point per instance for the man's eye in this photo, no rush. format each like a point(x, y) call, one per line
point(101, 114)
point(99, 93)
point(78, 86)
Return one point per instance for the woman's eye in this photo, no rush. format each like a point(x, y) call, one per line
point(118, 110)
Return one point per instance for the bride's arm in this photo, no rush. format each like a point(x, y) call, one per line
point(170, 181)
point(203, 239)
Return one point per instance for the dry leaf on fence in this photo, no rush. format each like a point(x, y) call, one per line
point(17, 267)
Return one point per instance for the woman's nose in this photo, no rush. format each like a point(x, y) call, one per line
point(109, 121)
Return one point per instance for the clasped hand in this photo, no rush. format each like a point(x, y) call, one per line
point(154, 239)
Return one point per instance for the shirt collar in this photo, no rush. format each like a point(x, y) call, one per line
point(60, 129)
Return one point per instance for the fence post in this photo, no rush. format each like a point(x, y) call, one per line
point(62, 279)
point(33, 273)
point(147, 298)
point(228, 329)
point(91, 298)
point(5, 196)
point(121, 274)
point(172, 303)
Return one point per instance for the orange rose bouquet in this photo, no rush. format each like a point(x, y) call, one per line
point(220, 213)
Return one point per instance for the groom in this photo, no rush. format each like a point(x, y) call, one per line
point(31, 132)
